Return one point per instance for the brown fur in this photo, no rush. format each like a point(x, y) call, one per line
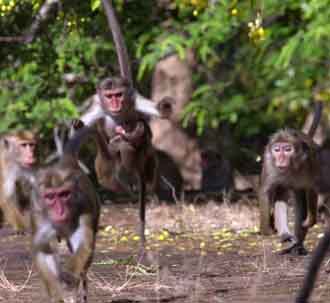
point(14, 191)
point(301, 174)
point(79, 230)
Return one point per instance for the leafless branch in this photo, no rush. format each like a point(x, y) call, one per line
point(43, 14)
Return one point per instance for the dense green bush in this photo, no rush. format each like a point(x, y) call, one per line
point(259, 63)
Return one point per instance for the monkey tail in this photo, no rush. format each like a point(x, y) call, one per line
point(122, 54)
point(318, 107)
point(313, 268)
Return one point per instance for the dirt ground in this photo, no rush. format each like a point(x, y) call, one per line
point(196, 253)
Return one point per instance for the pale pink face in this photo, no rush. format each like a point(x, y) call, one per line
point(113, 100)
point(27, 153)
point(57, 200)
point(282, 153)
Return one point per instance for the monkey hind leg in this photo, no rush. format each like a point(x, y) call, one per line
point(281, 221)
point(82, 290)
point(47, 266)
point(312, 209)
point(128, 155)
point(297, 247)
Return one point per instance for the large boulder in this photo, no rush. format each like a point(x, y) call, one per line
point(173, 77)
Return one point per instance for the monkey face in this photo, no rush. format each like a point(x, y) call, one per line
point(282, 153)
point(113, 101)
point(57, 202)
point(27, 152)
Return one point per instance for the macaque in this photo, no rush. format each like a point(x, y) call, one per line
point(291, 163)
point(130, 151)
point(65, 206)
point(122, 127)
point(17, 156)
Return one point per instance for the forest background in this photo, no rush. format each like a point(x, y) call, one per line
point(258, 65)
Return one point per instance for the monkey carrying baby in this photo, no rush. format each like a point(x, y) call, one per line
point(121, 116)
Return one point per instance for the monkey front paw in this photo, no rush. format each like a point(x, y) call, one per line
point(69, 282)
point(295, 249)
point(286, 237)
point(77, 124)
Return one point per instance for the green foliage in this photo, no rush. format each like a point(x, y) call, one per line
point(22, 106)
point(258, 63)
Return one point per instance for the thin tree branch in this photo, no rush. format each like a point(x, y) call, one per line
point(43, 14)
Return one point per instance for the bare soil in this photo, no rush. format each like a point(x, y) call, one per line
point(204, 253)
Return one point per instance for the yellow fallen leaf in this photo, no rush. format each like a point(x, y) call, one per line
point(321, 235)
point(108, 228)
point(123, 239)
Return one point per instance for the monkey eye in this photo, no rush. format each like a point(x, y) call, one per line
point(49, 196)
point(276, 149)
point(64, 194)
point(28, 144)
point(116, 95)
point(288, 149)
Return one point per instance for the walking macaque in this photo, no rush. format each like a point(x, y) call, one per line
point(17, 155)
point(64, 206)
point(291, 163)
